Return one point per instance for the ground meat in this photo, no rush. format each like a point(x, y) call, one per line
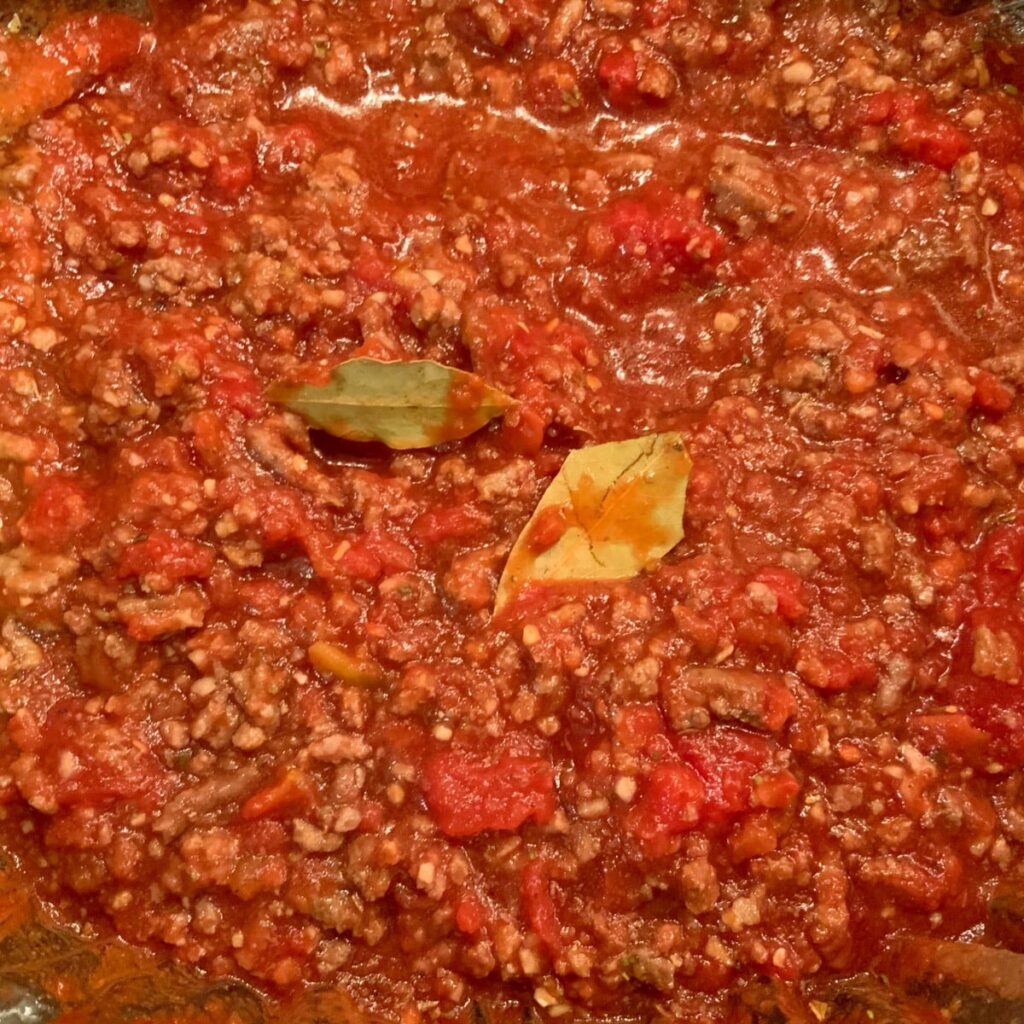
point(831, 928)
point(995, 655)
point(878, 549)
point(748, 191)
point(147, 618)
point(282, 446)
point(752, 698)
point(700, 886)
point(261, 709)
point(17, 449)
point(192, 804)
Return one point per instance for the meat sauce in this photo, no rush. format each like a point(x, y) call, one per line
point(258, 713)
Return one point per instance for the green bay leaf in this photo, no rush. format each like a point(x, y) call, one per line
point(412, 404)
point(613, 510)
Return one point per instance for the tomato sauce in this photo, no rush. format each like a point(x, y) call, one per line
point(257, 711)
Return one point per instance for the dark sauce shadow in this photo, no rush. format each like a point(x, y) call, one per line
point(341, 452)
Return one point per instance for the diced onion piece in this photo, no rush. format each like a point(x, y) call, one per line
point(349, 668)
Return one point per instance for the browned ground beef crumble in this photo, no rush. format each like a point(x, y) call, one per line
point(791, 230)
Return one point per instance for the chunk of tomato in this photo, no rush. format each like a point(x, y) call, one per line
point(788, 589)
point(459, 522)
point(166, 554)
point(662, 229)
point(538, 905)
point(1000, 564)
point(617, 73)
point(468, 793)
point(931, 139)
point(726, 759)
point(59, 510)
point(86, 759)
point(671, 802)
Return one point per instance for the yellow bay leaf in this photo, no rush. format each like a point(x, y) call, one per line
point(613, 510)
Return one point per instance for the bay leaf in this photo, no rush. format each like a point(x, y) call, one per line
point(410, 404)
point(612, 510)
